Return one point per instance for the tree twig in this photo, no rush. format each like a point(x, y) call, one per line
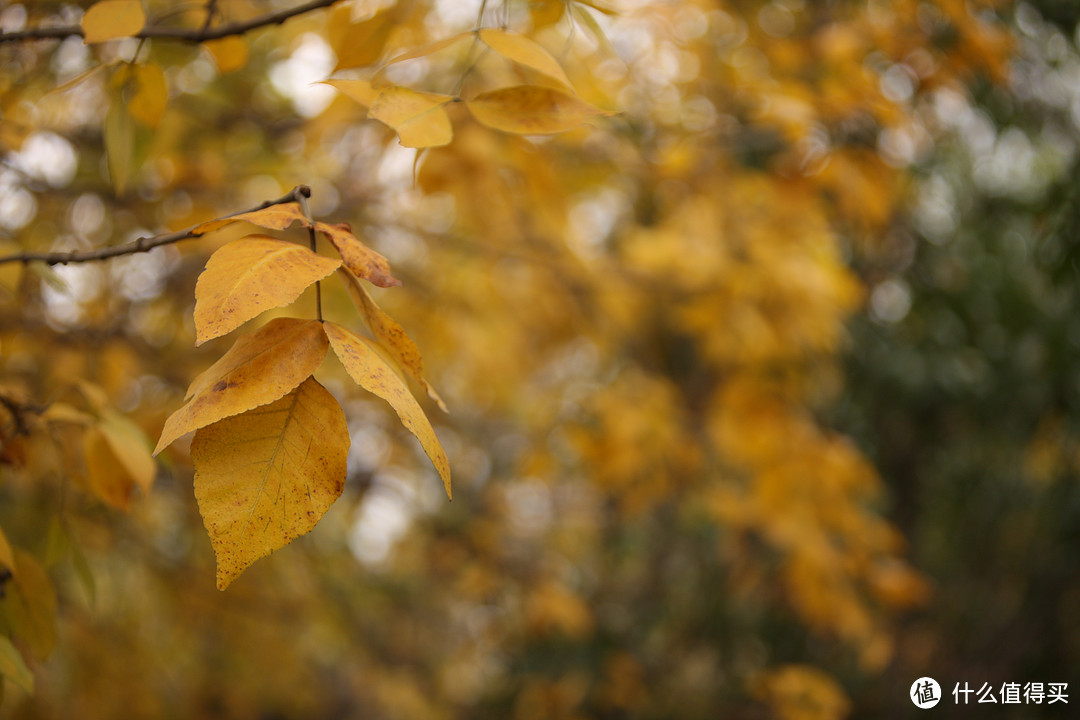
point(181, 34)
point(298, 194)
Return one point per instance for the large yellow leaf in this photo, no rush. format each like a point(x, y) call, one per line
point(390, 335)
point(30, 602)
point(259, 369)
point(250, 275)
point(372, 372)
point(524, 51)
point(267, 476)
point(275, 217)
point(364, 262)
point(530, 110)
point(112, 19)
point(419, 118)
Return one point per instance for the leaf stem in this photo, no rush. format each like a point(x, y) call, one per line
point(311, 235)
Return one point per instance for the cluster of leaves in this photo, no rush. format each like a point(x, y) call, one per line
point(636, 320)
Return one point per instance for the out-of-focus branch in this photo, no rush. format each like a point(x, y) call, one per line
point(143, 244)
point(181, 34)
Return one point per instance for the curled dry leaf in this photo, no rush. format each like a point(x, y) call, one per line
point(390, 335)
point(250, 275)
point(361, 260)
point(267, 476)
point(365, 364)
point(260, 368)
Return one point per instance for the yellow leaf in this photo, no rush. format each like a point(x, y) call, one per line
point(361, 91)
point(129, 444)
point(7, 559)
point(358, 44)
point(530, 110)
point(390, 335)
point(250, 275)
point(112, 19)
point(13, 666)
point(524, 51)
point(229, 53)
point(267, 476)
point(373, 373)
point(151, 96)
point(106, 476)
point(364, 262)
point(64, 413)
point(275, 217)
point(418, 117)
point(260, 368)
point(31, 606)
point(119, 139)
point(428, 49)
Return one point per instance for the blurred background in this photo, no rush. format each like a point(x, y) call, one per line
point(763, 394)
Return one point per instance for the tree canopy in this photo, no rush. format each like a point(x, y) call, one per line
point(704, 313)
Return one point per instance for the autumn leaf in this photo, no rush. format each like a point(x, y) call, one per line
point(358, 44)
point(361, 260)
point(372, 372)
point(14, 667)
point(106, 476)
point(524, 51)
point(530, 110)
point(113, 19)
point(362, 91)
point(30, 604)
point(274, 217)
point(120, 150)
point(151, 96)
point(425, 50)
point(128, 442)
point(267, 476)
point(390, 335)
point(229, 53)
point(260, 368)
point(419, 118)
point(250, 275)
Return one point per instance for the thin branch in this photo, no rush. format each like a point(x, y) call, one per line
point(298, 194)
point(182, 34)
